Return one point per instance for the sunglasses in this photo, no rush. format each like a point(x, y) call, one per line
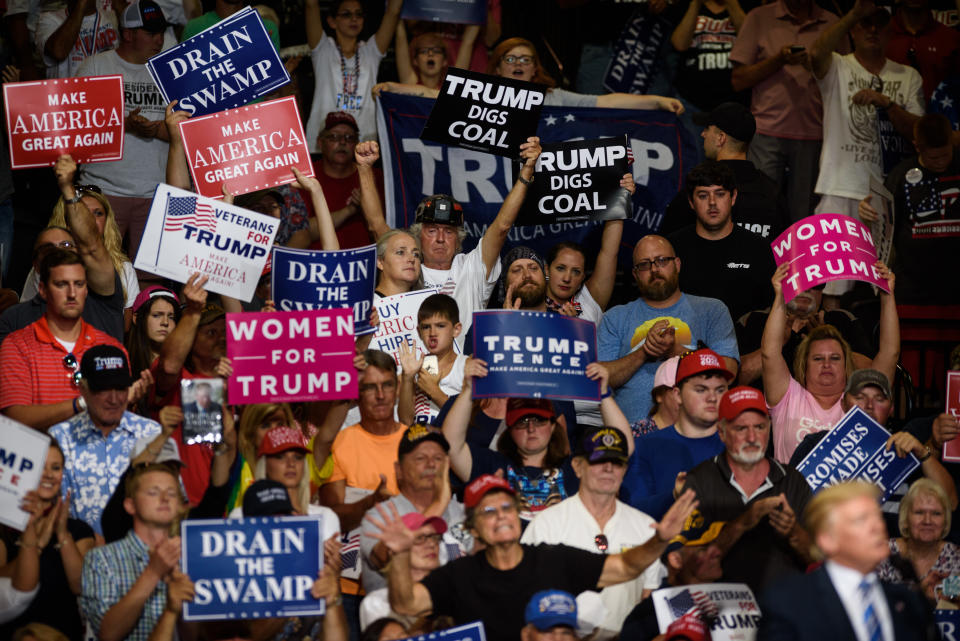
point(88, 188)
point(601, 542)
point(70, 362)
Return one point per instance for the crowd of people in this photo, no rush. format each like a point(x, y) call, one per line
point(541, 518)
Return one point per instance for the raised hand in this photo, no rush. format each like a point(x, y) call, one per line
point(392, 532)
point(672, 522)
point(367, 152)
point(193, 294)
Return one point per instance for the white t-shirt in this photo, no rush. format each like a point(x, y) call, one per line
point(103, 23)
point(588, 412)
point(131, 286)
point(851, 141)
point(467, 282)
point(451, 384)
point(331, 522)
point(144, 162)
point(569, 522)
point(329, 94)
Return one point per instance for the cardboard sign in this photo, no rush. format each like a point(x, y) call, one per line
point(226, 66)
point(398, 323)
point(186, 233)
point(468, 632)
point(285, 357)
point(535, 355)
point(951, 449)
point(252, 568)
point(948, 621)
point(485, 113)
point(662, 151)
point(855, 449)
point(314, 279)
point(449, 11)
point(23, 453)
point(824, 248)
point(246, 149)
point(202, 402)
point(882, 229)
point(82, 117)
point(578, 180)
point(731, 608)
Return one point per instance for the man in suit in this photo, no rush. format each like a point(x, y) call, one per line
point(847, 526)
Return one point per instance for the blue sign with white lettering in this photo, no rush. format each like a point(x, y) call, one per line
point(228, 65)
point(252, 568)
point(856, 450)
point(949, 623)
point(636, 55)
point(468, 632)
point(450, 11)
point(534, 355)
point(661, 149)
point(313, 279)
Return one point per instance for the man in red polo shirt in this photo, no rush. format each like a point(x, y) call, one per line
point(40, 364)
point(919, 41)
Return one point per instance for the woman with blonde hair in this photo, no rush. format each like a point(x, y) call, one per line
point(925, 515)
point(106, 221)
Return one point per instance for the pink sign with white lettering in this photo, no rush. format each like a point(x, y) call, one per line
point(281, 357)
point(826, 247)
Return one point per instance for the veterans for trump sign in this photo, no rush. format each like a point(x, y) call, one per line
point(824, 248)
point(313, 279)
point(186, 233)
point(23, 453)
point(578, 180)
point(730, 608)
point(246, 149)
point(252, 568)
point(82, 117)
point(856, 449)
point(291, 356)
point(535, 355)
point(485, 113)
point(226, 66)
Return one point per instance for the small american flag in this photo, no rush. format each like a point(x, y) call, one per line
point(350, 551)
point(186, 210)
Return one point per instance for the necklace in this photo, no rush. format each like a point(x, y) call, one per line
point(350, 83)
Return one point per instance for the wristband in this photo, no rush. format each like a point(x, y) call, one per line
point(524, 180)
point(335, 602)
point(77, 195)
point(926, 455)
point(606, 394)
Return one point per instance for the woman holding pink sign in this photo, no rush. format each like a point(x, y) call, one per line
point(808, 400)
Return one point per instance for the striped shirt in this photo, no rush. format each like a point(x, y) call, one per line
point(32, 371)
point(109, 572)
point(93, 463)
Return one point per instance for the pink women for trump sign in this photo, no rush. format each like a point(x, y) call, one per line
point(824, 248)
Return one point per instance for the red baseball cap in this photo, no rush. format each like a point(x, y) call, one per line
point(480, 486)
point(740, 399)
point(414, 521)
point(280, 439)
point(701, 362)
point(517, 408)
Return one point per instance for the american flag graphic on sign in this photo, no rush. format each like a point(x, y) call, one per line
point(681, 604)
point(185, 210)
point(693, 600)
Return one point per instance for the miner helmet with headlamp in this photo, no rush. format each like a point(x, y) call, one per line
point(441, 209)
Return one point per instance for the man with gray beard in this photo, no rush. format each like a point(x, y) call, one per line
point(634, 338)
point(758, 498)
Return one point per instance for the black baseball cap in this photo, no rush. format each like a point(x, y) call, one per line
point(144, 14)
point(266, 498)
point(601, 443)
point(106, 367)
point(420, 433)
point(730, 117)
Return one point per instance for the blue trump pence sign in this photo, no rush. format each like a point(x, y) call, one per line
point(856, 450)
point(534, 355)
point(228, 65)
point(252, 568)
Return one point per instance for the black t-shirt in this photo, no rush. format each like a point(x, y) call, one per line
point(760, 206)
point(735, 269)
point(55, 603)
point(926, 232)
point(703, 74)
point(103, 312)
point(469, 588)
point(761, 555)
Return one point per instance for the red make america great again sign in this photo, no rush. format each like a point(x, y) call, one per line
point(82, 117)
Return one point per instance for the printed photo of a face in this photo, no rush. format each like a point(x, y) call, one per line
point(202, 403)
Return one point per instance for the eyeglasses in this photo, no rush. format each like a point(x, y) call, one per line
point(88, 188)
point(601, 542)
point(350, 14)
point(518, 60)
point(370, 388)
point(342, 137)
point(493, 510)
point(426, 538)
point(659, 261)
point(70, 362)
point(429, 50)
point(63, 244)
point(530, 422)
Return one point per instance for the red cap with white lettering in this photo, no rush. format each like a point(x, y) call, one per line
point(701, 362)
point(740, 399)
point(280, 439)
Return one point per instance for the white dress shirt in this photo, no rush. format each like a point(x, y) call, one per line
point(846, 581)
